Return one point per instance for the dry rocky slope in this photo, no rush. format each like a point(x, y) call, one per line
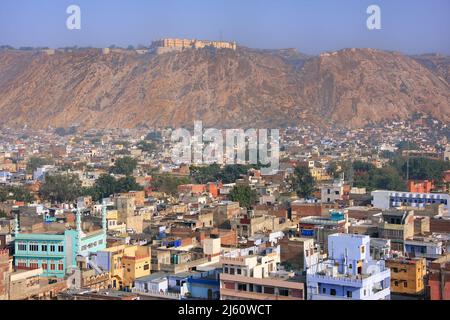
point(223, 88)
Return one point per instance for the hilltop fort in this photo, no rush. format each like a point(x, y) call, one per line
point(169, 45)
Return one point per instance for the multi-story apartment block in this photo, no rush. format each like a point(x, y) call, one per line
point(384, 199)
point(407, 275)
point(255, 277)
point(330, 193)
point(125, 263)
point(349, 273)
point(398, 226)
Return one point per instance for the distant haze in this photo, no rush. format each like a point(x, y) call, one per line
point(311, 26)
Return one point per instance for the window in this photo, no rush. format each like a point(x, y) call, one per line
point(22, 246)
point(242, 287)
point(283, 292)
point(324, 290)
point(60, 248)
point(44, 248)
point(146, 266)
point(52, 248)
point(405, 284)
point(44, 265)
point(349, 294)
point(34, 265)
point(226, 270)
point(52, 266)
point(332, 292)
point(238, 271)
point(269, 290)
point(396, 283)
point(34, 247)
point(60, 267)
point(231, 270)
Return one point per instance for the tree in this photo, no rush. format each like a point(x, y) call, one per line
point(125, 165)
point(36, 162)
point(168, 184)
point(154, 136)
point(18, 193)
point(3, 194)
point(127, 184)
point(244, 195)
point(61, 188)
point(303, 182)
point(104, 186)
point(213, 172)
point(423, 168)
point(146, 146)
point(333, 170)
point(107, 185)
point(406, 145)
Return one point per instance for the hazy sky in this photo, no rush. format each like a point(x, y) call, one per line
point(312, 26)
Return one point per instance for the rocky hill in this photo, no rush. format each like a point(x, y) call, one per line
point(224, 88)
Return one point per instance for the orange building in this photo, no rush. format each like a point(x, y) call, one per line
point(192, 188)
point(421, 186)
point(407, 275)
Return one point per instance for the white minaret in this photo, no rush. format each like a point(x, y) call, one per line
point(16, 224)
point(79, 233)
point(104, 215)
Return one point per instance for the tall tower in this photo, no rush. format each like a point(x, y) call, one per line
point(104, 216)
point(79, 233)
point(16, 224)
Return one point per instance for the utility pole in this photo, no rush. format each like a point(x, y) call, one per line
point(407, 162)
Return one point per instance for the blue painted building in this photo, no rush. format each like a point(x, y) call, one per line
point(205, 285)
point(56, 252)
point(350, 273)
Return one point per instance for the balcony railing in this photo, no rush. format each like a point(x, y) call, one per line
point(157, 294)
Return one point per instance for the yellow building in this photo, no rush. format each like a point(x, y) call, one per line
point(319, 174)
point(136, 264)
point(113, 223)
point(407, 275)
point(125, 263)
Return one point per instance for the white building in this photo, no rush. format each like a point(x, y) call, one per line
point(384, 199)
point(332, 192)
point(350, 273)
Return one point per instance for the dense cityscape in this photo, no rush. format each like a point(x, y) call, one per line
point(350, 214)
point(224, 159)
